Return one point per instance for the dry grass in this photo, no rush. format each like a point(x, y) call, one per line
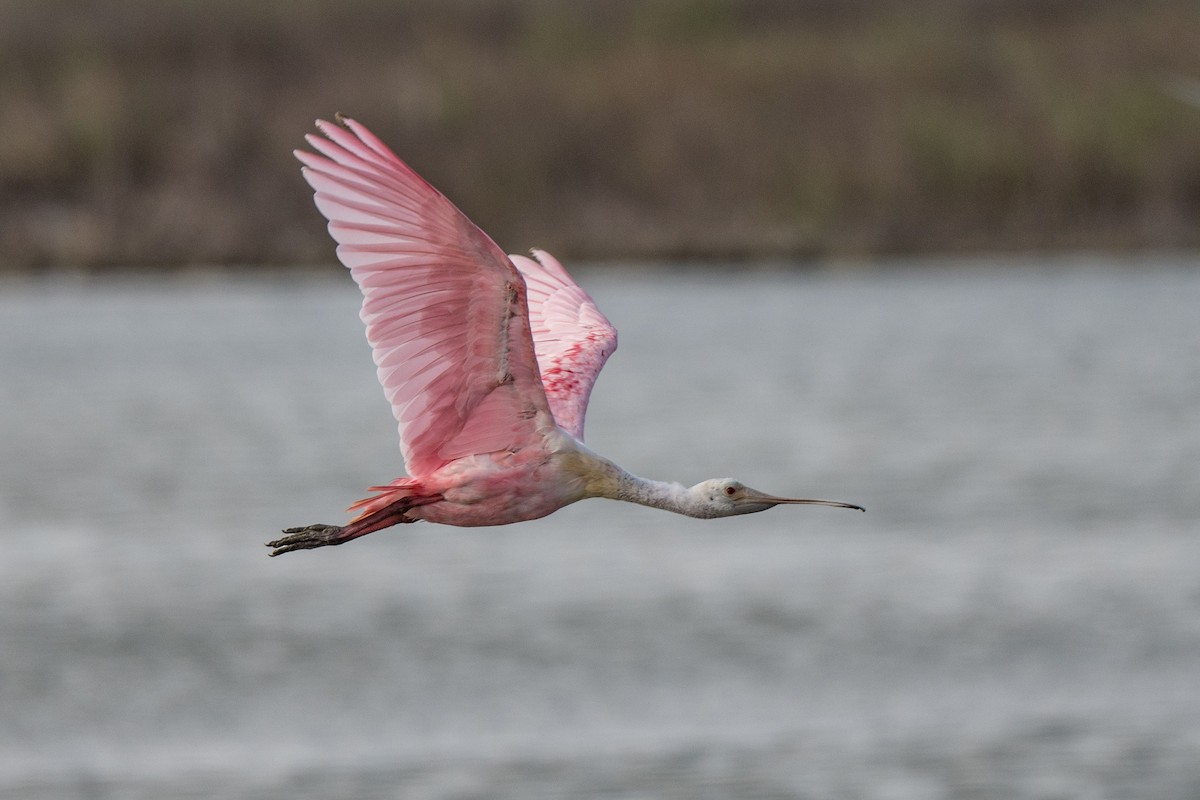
point(159, 132)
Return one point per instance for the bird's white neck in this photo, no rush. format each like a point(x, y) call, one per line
point(609, 480)
point(666, 495)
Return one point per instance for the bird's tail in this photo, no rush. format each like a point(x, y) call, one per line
point(386, 496)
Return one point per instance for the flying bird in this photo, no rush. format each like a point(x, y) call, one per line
point(488, 360)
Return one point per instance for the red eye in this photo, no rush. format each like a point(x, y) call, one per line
point(730, 491)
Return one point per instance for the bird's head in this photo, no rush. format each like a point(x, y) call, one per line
point(725, 497)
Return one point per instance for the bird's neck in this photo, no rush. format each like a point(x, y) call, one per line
point(666, 495)
point(609, 480)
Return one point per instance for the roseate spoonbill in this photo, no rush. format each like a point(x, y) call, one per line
point(488, 360)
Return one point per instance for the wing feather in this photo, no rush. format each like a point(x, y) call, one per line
point(446, 312)
point(571, 338)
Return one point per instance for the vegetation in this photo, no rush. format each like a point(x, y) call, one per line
point(159, 132)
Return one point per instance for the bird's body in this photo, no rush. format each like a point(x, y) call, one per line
point(488, 360)
point(496, 488)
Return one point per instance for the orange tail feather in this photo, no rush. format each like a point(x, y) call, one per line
point(401, 487)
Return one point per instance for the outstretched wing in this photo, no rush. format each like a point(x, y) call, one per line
point(445, 310)
point(571, 338)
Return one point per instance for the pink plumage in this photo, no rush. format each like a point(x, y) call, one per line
point(571, 338)
point(488, 361)
point(445, 310)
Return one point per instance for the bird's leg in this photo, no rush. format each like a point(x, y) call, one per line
point(310, 536)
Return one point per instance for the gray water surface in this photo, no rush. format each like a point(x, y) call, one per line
point(1017, 616)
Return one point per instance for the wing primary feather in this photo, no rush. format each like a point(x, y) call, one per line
point(446, 311)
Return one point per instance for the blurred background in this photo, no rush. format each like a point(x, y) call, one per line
point(936, 257)
point(154, 133)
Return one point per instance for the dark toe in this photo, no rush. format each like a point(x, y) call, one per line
point(306, 538)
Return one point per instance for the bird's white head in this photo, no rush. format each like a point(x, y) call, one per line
point(725, 497)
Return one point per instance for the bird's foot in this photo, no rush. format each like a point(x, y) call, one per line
point(308, 537)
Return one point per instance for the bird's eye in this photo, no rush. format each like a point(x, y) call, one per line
point(730, 491)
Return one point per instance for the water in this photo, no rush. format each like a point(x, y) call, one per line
point(1017, 616)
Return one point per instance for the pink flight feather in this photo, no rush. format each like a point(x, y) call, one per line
point(455, 340)
point(444, 308)
point(571, 338)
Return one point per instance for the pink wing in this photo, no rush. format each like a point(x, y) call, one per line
point(445, 310)
point(571, 337)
